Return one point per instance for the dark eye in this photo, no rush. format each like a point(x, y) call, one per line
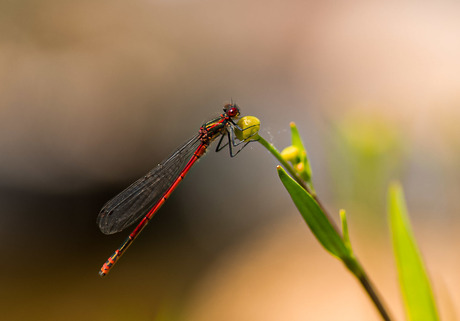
point(233, 111)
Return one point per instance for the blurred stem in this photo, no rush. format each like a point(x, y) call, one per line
point(351, 262)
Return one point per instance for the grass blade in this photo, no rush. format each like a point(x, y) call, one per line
point(413, 279)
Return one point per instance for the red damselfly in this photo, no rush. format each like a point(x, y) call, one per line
point(142, 199)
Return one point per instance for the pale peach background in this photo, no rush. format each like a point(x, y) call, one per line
point(95, 93)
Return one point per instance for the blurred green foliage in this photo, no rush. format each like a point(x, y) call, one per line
point(367, 153)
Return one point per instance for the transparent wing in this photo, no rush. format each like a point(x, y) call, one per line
point(137, 199)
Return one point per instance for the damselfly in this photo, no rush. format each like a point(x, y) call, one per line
point(142, 199)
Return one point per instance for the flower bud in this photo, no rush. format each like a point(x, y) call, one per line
point(290, 154)
point(248, 128)
point(300, 167)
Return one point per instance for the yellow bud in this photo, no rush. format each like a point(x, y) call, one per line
point(249, 126)
point(300, 167)
point(290, 154)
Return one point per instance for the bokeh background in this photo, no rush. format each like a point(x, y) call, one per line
point(93, 94)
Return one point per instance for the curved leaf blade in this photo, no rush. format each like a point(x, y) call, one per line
point(413, 279)
point(314, 217)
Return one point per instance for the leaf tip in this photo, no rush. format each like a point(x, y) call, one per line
point(395, 187)
point(280, 170)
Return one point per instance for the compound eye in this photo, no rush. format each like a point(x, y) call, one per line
point(233, 111)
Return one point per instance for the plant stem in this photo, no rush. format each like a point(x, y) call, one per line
point(352, 262)
point(272, 149)
point(366, 283)
point(356, 268)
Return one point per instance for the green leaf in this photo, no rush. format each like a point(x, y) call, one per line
point(296, 140)
point(314, 217)
point(295, 137)
point(346, 236)
point(415, 286)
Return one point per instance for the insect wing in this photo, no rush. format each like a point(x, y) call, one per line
point(137, 199)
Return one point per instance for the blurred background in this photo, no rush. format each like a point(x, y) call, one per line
point(93, 94)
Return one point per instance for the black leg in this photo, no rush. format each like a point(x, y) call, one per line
point(239, 150)
point(230, 147)
point(232, 137)
point(247, 140)
point(231, 140)
point(219, 147)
